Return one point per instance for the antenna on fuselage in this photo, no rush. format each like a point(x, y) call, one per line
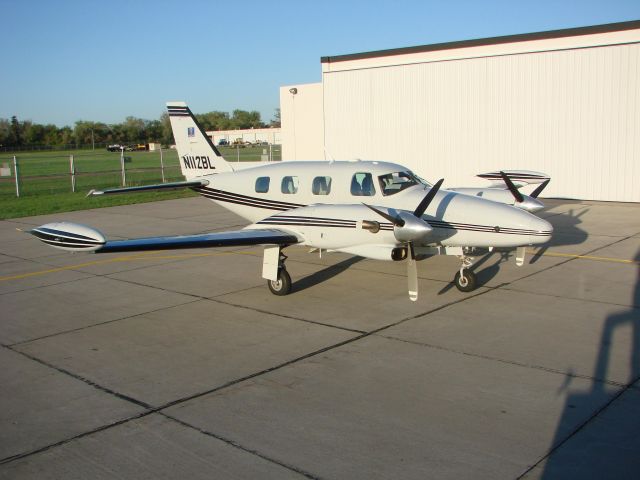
point(326, 152)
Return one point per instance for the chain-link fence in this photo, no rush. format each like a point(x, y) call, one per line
point(33, 173)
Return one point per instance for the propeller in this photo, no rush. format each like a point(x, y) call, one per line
point(512, 188)
point(540, 188)
point(531, 203)
point(408, 228)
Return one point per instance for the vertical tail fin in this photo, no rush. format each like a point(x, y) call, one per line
point(198, 155)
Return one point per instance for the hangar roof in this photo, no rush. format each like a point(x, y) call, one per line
point(525, 37)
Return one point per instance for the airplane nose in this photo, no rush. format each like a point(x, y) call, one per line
point(541, 230)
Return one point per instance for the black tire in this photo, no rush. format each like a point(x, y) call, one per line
point(468, 282)
point(282, 286)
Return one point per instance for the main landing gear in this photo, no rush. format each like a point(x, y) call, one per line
point(466, 280)
point(281, 286)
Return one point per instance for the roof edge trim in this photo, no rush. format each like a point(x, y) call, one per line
point(521, 37)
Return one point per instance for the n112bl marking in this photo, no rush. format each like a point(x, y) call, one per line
point(197, 163)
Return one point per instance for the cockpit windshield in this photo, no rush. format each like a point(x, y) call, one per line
point(392, 183)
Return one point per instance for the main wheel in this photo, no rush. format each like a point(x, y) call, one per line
point(282, 286)
point(467, 282)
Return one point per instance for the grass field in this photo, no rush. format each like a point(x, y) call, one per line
point(45, 179)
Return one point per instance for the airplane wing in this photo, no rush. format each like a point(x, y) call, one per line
point(145, 188)
point(76, 237)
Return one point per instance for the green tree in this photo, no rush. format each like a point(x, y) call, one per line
point(134, 129)
point(275, 121)
point(5, 132)
point(167, 133)
point(33, 133)
point(15, 132)
point(242, 119)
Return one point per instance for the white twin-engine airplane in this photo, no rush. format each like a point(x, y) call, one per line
point(376, 210)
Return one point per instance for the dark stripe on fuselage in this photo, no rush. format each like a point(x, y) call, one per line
point(338, 223)
point(236, 198)
point(255, 202)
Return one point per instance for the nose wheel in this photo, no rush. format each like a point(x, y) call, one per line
point(465, 279)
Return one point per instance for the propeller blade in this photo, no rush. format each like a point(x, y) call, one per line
point(422, 206)
point(397, 221)
point(412, 273)
point(512, 188)
point(540, 188)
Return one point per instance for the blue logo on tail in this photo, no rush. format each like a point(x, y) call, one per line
point(191, 132)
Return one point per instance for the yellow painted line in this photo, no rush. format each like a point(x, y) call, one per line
point(586, 257)
point(130, 258)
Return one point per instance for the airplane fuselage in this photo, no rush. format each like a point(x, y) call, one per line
point(329, 197)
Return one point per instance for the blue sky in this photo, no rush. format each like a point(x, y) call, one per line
point(71, 60)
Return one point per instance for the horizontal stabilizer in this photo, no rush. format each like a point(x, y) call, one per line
point(518, 177)
point(146, 188)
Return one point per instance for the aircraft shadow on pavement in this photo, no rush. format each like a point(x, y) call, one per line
point(324, 274)
point(616, 453)
point(566, 231)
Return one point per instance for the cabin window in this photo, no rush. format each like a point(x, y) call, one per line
point(362, 185)
point(321, 186)
point(262, 184)
point(396, 182)
point(289, 184)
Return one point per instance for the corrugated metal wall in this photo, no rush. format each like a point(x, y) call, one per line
point(574, 114)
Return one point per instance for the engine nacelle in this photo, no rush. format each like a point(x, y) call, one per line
point(70, 236)
point(377, 252)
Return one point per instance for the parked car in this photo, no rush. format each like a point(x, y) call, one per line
point(116, 147)
point(223, 142)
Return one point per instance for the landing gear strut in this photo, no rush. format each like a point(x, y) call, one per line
point(281, 286)
point(465, 279)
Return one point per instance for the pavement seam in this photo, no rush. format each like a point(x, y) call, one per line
point(612, 383)
point(579, 428)
point(28, 289)
point(85, 380)
point(20, 456)
point(289, 317)
point(586, 300)
point(106, 322)
point(237, 445)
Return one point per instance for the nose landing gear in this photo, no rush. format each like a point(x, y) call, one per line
point(466, 280)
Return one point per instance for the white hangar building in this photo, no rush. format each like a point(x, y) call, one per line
point(564, 102)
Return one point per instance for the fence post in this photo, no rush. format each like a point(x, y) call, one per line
point(238, 151)
point(124, 175)
point(15, 171)
point(72, 167)
point(162, 166)
point(270, 153)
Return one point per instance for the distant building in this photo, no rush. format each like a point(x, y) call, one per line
point(564, 102)
point(253, 135)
